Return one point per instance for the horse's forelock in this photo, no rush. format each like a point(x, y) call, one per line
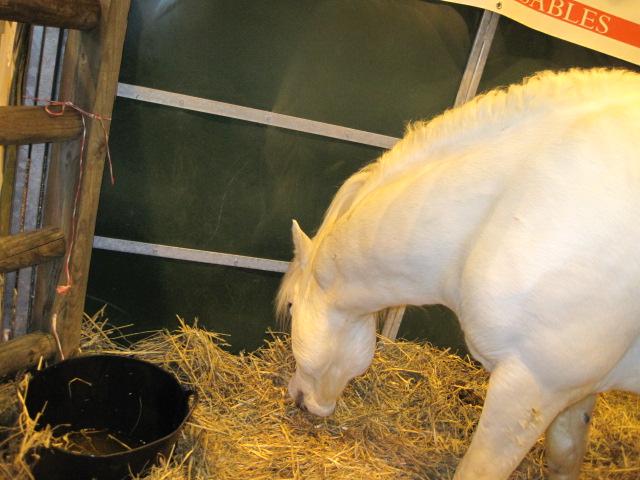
point(285, 294)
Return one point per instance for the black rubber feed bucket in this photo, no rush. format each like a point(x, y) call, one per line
point(120, 413)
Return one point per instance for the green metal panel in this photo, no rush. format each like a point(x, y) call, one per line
point(148, 292)
point(195, 180)
point(200, 181)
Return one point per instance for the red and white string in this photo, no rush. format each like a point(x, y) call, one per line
point(63, 289)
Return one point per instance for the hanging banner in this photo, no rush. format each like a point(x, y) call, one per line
point(608, 26)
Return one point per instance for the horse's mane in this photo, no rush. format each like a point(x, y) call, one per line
point(493, 111)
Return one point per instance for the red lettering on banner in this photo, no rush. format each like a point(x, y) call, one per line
point(555, 8)
point(567, 15)
point(603, 22)
point(540, 4)
point(589, 18)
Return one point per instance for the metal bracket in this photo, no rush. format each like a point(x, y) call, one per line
point(477, 57)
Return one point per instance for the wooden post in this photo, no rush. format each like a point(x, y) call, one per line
point(78, 14)
point(30, 248)
point(89, 79)
point(11, 152)
point(24, 125)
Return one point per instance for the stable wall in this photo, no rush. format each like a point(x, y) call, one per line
point(200, 181)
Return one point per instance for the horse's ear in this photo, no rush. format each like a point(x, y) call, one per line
point(301, 243)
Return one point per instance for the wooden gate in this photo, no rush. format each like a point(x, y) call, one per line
point(78, 123)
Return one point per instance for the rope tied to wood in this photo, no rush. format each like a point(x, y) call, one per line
point(50, 109)
point(84, 114)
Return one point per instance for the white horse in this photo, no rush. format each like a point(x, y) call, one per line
point(520, 211)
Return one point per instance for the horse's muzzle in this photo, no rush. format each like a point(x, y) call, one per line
point(305, 400)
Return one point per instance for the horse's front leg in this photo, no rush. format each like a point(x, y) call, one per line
point(566, 440)
point(516, 412)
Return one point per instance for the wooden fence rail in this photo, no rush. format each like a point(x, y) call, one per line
point(30, 248)
point(25, 352)
point(78, 14)
point(24, 125)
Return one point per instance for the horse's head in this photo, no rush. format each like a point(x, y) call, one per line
point(330, 344)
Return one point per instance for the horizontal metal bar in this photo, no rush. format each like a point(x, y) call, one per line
point(189, 254)
point(254, 115)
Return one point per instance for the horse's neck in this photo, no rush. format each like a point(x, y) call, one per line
point(406, 243)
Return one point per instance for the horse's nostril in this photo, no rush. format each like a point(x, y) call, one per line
point(300, 401)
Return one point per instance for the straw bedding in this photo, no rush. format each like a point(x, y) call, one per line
point(410, 417)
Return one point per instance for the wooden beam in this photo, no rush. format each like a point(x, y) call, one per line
point(30, 248)
point(77, 14)
point(24, 125)
point(25, 352)
point(89, 79)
